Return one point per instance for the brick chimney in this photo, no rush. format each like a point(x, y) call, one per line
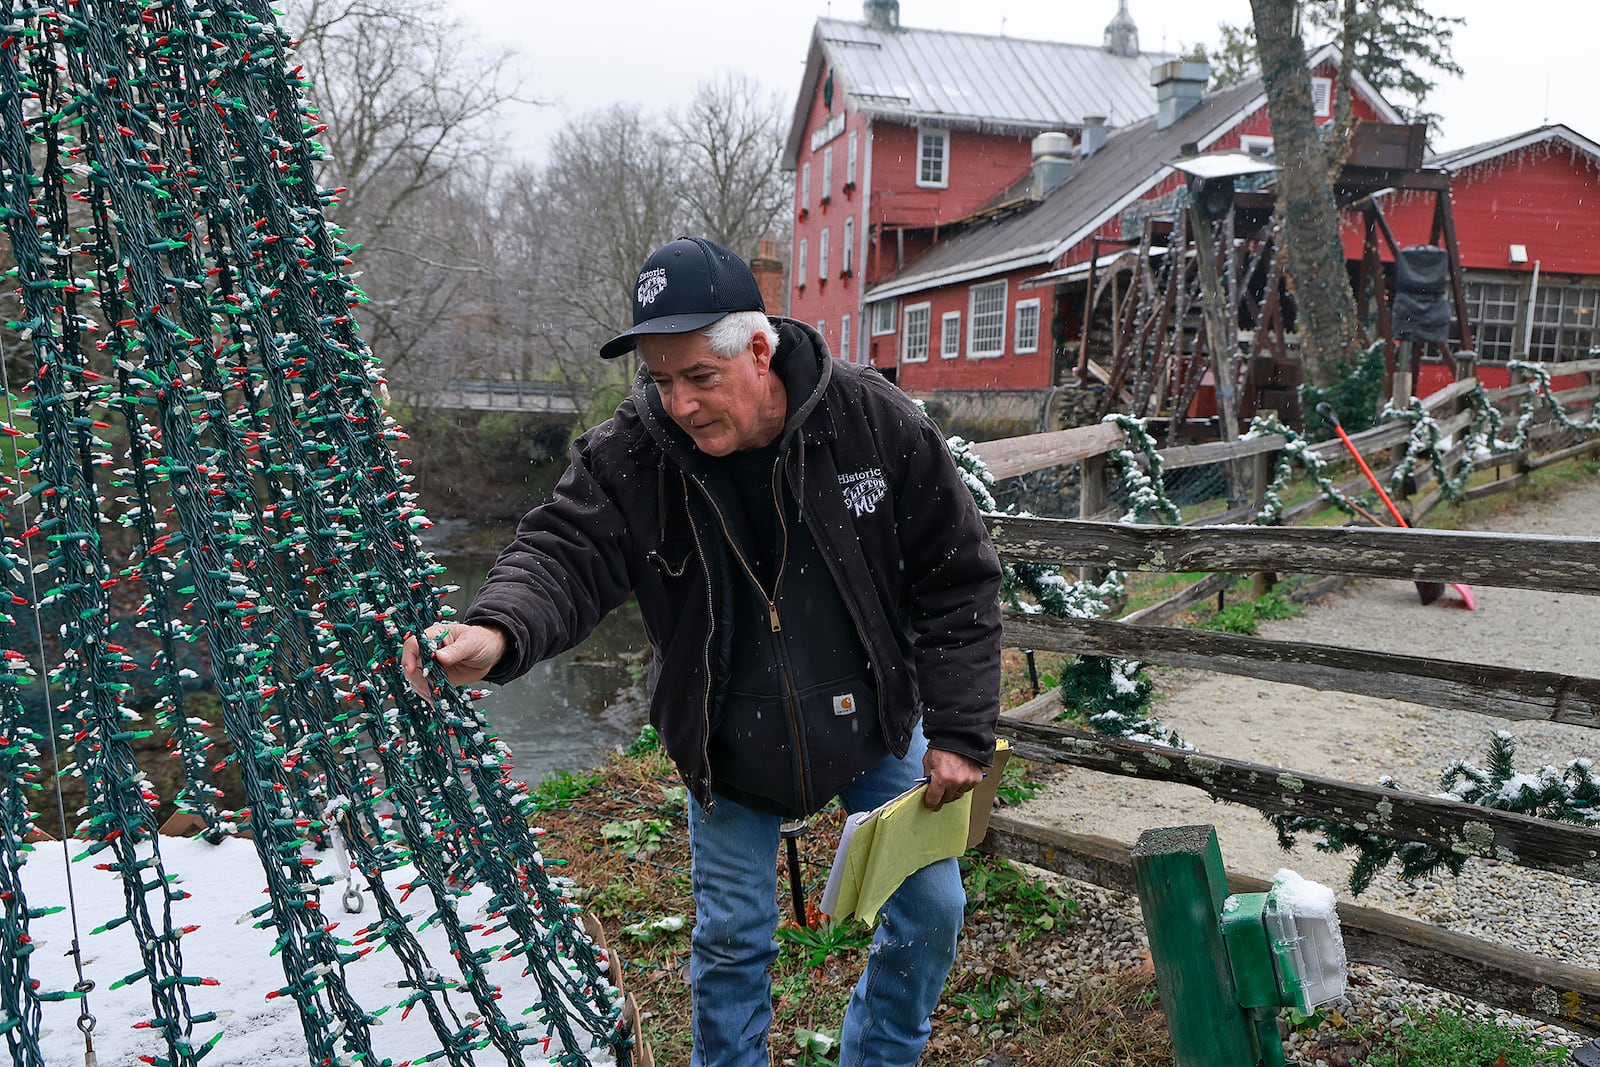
point(768, 269)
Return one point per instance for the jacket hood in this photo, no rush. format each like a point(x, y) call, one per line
point(802, 362)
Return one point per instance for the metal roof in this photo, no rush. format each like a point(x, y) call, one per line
point(975, 81)
point(1457, 158)
point(1131, 162)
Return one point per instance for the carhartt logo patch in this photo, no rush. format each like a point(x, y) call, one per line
point(652, 283)
point(863, 490)
point(844, 704)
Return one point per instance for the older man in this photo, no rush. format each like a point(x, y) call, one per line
point(821, 601)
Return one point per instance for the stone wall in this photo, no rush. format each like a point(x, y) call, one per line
point(990, 414)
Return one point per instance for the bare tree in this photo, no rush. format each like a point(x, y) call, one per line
point(731, 139)
point(611, 192)
point(408, 101)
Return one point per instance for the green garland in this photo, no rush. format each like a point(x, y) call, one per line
point(1482, 437)
point(1113, 692)
point(1568, 795)
point(1297, 451)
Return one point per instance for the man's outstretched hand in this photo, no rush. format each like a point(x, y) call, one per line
point(466, 653)
point(949, 776)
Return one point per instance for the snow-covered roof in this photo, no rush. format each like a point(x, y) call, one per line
point(1457, 158)
point(973, 81)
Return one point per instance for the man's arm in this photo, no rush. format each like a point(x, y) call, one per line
point(953, 593)
point(565, 569)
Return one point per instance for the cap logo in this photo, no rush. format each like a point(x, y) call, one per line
point(652, 283)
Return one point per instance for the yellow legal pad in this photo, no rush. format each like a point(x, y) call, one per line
point(881, 848)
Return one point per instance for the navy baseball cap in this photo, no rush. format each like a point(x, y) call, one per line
point(687, 285)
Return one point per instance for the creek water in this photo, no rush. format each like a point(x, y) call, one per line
point(567, 711)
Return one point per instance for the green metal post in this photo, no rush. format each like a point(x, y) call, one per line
point(1178, 871)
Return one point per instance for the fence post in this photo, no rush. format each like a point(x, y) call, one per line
point(1261, 477)
point(1520, 377)
point(1092, 500)
point(1181, 883)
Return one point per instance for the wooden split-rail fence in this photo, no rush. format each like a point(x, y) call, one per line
point(1503, 977)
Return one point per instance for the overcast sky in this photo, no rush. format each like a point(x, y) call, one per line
point(1526, 62)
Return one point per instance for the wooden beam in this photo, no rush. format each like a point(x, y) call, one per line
point(1210, 585)
point(1464, 829)
point(1507, 692)
point(1491, 974)
point(1011, 456)
point(1583, 449)
point(1557, 564)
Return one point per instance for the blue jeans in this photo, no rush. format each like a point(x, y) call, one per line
point(735, 851)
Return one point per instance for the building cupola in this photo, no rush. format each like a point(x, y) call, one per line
point(882, 14)
point(1122, 36)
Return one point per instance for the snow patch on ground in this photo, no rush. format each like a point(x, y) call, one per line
point(225, 881)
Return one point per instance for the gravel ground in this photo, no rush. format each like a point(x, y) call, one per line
point(1361, 739)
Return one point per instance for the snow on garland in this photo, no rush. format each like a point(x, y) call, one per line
point(1114, 693)
point(1482, 439)
point(1296, 450)
point(1568, 795)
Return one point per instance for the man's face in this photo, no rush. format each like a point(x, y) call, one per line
point(725, 405)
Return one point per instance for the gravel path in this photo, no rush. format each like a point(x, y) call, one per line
point(1360, 739)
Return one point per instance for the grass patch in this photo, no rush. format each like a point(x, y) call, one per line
point(1451, 1039)
point(1245, 616)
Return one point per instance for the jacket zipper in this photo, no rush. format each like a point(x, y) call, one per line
point(711, 631)
point(791, 703)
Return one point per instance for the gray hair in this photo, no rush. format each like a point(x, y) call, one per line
point(730, 334)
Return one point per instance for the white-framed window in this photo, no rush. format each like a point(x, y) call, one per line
point(986, 320)
point(844, 337)
point(1322, 97)
point(882, 318)
point(933, 158)
point(805, 185)
point(1254, 144)
point(1025, 334)
point(950, 335)
point(847, 254)
point(1492, 307)
point(914, 338)
point(800, 263)
point(1564, 320)
point(822, 330)
point(850, 159)
point(827, 173)
point(822, 255)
